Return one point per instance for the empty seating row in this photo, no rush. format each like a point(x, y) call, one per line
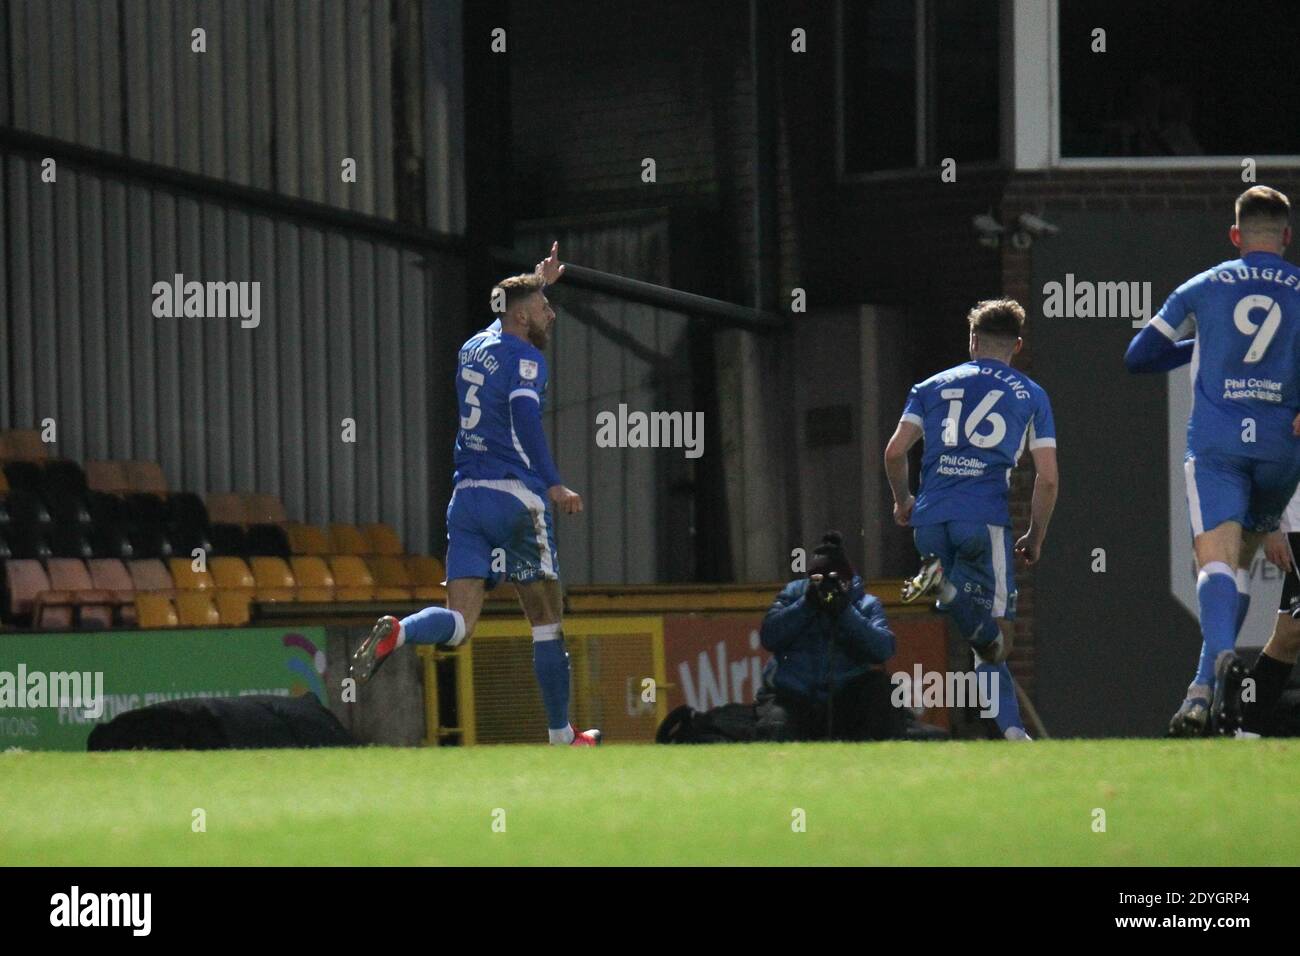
point(64, 593)
point(22, 444)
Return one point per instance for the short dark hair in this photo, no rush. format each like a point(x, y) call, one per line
point(1000, 318)
point(1265, 206)
point(517, 288)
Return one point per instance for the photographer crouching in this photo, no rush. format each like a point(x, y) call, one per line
point(828, 638)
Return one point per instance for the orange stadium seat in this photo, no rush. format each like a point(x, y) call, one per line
point(392, 580)
point(106, 476)
point(225, 507)
point(264, 509)
point(352, 579)
point(22, 444)
point(426, 576)
point(275, 582)
point(348, 539)
point(307, 539)
point(155, 610)
point(382, 539)
point(145, 476)
point(315, 582)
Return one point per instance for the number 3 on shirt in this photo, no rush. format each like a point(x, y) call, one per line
point(475, 379)
point(981, 413)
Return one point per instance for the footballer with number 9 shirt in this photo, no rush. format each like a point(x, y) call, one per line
point(1238, 324)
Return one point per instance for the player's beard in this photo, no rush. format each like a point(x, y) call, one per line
point(539, 334)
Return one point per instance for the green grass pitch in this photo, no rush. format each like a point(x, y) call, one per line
point(1165, 803)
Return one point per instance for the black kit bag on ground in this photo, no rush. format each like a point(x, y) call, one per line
point(223, 723)
point(728, 724)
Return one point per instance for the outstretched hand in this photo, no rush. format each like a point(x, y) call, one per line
point(551, 268)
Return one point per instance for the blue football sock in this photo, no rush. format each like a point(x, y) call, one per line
point(1220, 602)
point(974, 621)
point(551, 663)
point(1008, 714)
point(434, 625)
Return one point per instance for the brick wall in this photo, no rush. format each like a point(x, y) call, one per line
point(595, 90)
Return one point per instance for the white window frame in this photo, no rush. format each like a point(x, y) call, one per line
point(1048, 12)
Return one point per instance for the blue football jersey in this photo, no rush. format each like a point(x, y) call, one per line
point(977, 419)
point(492, 369)
point(1245, 369)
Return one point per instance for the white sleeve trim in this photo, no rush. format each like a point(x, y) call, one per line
point(914, 419)
point(1164, 328)
point(528, 392)
point(1042, 443)
point(1186, 328)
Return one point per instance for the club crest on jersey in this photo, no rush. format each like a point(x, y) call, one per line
point(527, 369)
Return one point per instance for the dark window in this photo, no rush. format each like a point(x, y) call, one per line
point(879, 85)
point(963, 90)
point(1200, 78)
point(959, 83)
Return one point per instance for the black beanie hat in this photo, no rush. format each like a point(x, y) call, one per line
point(829, 556)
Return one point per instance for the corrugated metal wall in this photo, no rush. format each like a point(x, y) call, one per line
point(351, 325)
point(344, 333)
point(285, 90)
point(635, 527)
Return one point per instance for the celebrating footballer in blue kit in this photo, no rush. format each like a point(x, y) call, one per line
point(1238, 323)
point(975, 420)
point(501, 507)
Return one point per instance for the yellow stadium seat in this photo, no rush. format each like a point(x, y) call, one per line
point(307, 539)
point(352, 579)
point(315, 582)
point(196, 609)
point(273, 578)
point(348, 539)
point(231, 574)
point(426, 575)
point(392, 580)
point(232, 607)
point(382, 539)
point(155, 610)
point(186, 578)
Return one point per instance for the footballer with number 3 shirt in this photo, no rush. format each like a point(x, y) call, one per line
point(505, 486)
